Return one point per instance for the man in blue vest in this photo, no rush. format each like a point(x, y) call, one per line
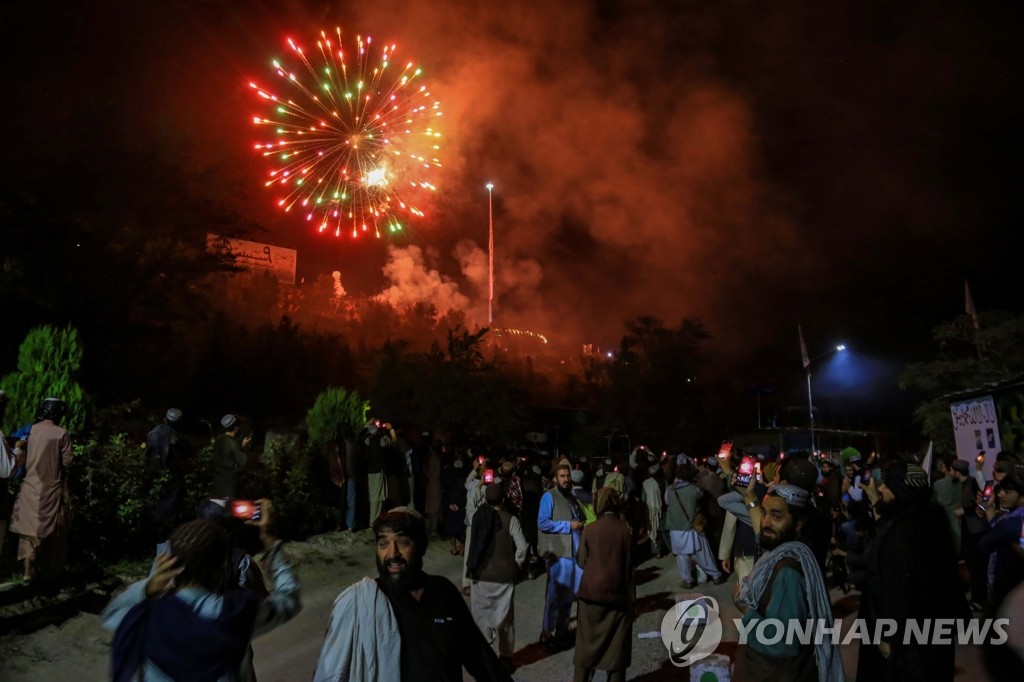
point(560, 522)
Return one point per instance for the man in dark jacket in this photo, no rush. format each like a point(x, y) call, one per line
point(228, 458)
point(911, 574)
point(436, 637)
point(831, 484)
point(163, 468)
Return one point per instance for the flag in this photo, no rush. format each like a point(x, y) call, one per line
point(803, 348)
point(926, 463)
point(969, 304)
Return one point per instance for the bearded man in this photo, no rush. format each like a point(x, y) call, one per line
point(785, 587)
point(560, 522)
point(405, 625)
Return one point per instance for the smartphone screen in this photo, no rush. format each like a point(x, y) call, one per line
point(489, 476)
point(725, 450)
point(243, 509)
point(745, 472)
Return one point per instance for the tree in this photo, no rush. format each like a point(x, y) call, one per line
point(968, 357)
point(333, 407)
point(451, 388)
point(48, 361)
point(461, 392)
point(652, 381)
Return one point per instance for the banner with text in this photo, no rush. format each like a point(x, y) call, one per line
point(256, 256)
point(976, 431)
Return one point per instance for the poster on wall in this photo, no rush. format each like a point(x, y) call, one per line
point(255, 256)
point(976, 430)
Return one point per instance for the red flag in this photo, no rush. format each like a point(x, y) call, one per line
point(803, 348)
point(969, 304)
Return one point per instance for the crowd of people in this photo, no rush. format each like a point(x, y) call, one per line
point(791, 527)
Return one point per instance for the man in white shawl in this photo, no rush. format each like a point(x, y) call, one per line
point(406, 625)
point(786, 586)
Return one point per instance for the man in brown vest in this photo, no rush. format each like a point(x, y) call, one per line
point(560, 522)
point(495, 554)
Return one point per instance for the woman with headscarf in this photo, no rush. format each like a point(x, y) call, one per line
point(607, 593)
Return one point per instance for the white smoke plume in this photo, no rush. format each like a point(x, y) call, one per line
point(413, 282)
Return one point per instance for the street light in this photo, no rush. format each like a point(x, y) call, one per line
point(490, 252)
point(810, 400)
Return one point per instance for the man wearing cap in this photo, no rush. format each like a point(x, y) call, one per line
point(785, 586)
point(911, 575)
point(41, 514)
point(493, 559)
point(228, 458)
point(406, 625)
point(163, 456)
point(831, 484)
point(560, 522)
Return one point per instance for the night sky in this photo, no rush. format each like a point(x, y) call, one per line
point(844, 165)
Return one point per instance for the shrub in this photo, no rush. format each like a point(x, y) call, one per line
point(110, 500)
point(295, 477)
point(48, 361)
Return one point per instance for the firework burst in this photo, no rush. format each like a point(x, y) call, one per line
point(356, 138)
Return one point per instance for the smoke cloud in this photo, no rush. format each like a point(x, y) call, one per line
point(619, 190)
point(413, 282)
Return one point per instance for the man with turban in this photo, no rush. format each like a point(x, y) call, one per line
point(787, 587)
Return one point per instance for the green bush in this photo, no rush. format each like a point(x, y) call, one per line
point(110, 499)
point(295, 478)
point(48, 361)
point(334, 407)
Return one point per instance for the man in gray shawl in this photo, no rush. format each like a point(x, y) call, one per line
point(786, 586)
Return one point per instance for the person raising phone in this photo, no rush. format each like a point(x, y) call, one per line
point(190, 620)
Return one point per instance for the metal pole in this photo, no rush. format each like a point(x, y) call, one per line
point(810, 406)
point(490, 253)
point(758, 408)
